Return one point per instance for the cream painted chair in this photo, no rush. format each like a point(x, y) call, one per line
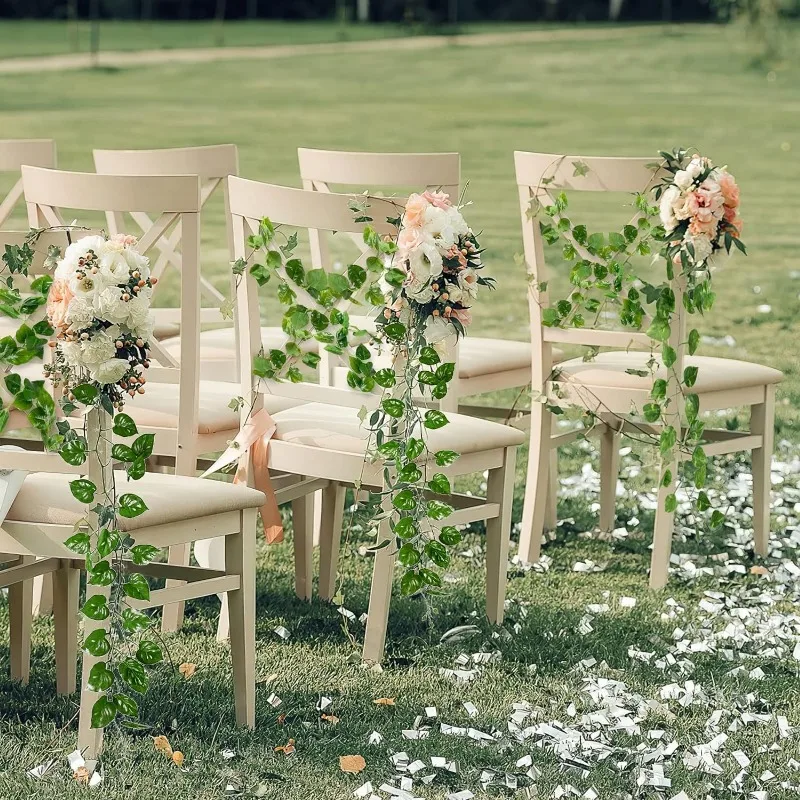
point(324, 439)
point(606, 386)
point(13, 154)
point(212, 163)
point(190, 418)
point(179, 510)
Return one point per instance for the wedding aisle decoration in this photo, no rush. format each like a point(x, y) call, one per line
point(424, 283)
point(687, 216)
point(100, 324)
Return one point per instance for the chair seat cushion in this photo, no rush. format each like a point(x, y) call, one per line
point(45, 497)
point(713, 375)
point(478, 356)
point(338, 428)
point(158, 406)
point(221, 342)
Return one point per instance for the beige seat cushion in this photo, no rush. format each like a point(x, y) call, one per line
point(713, 375)
point(478, 356)
point(337, 428)
point(46, 498)
point(158, 406)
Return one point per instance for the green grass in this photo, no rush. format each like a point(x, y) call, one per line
point(633, 97)
point(40, 38)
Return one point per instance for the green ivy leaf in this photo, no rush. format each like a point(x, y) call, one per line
point(73, 452)
point(437, 553)
point(410, 583)
point(692, 406)
point(149, 652)
point(404, 500)
point(439, 484)
point(83, 490)
point(96, 607)
point(690, 376)
point(385, 378)
point(103, 712)
point(410, 473)
point(79, 543)
point(394, 408)
point(405, 527)
point(121, 452)
point(659, 329)
point(97, 643)
point(438, 510)
point(134, 674)
point(124, 426)
point(414, 448)
point(668, 355)
point(86, 393)
point(717, 519)
point(101, 678)
point(694, 342)
point(444, 458)
point(143, 553)
point(408, 555)
point(107, 542)
point(429, 356)
point(703, 503)
point(131, 505)
point(449, 535)
point(137, 587)
point(126, 705)
point(137, 469)
point(434, 420)
point(670, 503)
point(101, 574)
point(651, 412)
point(143, 445)
point(133, 620)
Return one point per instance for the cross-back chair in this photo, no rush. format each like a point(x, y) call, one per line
point(482, 364)
point(212, 163)
point(324, 438)
point(188, 417)
point(13, 154)
point(608, 384)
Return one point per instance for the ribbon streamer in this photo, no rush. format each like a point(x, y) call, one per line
point(255, 435)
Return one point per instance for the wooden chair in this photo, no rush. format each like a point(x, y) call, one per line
point(212, 164)
point(180, 509)
point(324, 438)
point(189, 417)
point(13, 154)
point(605, 384)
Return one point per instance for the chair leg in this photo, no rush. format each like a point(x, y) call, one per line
point(380, 593)
point(66, 587)
point(609, 472)
point(172, 614)
point(762, 422)
point(499, 489)
point(330, 535)
point(303, 527)
point(42, 595)
point(533, 512)
point(240, 559)
point(20, 605)
point(90, 740)
point(210, 553)
point(551, 512)
point(662, 533)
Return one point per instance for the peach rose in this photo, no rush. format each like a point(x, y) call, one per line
point(438, 199)
point(409, 239)
point(729, 189)
point(415, 210)
point(703, 225)
point(58, 300)
point(125, 239)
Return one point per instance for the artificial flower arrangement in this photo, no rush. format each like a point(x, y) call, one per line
point(699, 209)
point(99, 308)
point(441, 260)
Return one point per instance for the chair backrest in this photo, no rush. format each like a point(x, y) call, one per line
point(540, 176)
point(322, 169)
point(250, 202)
point(212, 163)
point(13, 154)
point(173, 200)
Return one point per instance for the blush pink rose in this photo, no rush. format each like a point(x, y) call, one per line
point(415, 210)
point(463, 315)
point(409, 239)
point(729, 189)
point(58, 300)
point(125, 239)
point(438, 199)
point(705, 225)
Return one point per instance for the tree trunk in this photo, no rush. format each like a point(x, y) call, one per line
point(219, 18)
point(363, 10)
point(252, 9)
point(615, 9)
point(94, 32)
point(147, 10)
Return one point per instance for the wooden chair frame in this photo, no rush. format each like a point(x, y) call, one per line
point(14, 153)
point(250, 202)
point(539, 174)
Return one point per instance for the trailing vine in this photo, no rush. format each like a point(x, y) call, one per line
point(697, 204)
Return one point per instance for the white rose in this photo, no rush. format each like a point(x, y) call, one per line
point(80, 314)
point(97, 349)
point(110, 306)
point(667, 213)
point(87, 287)
point(71, 352)
point(457, 221)
point(440, 335)
point(138, 312)
point(683, 180)
point(110, 371)
point(114, 268)
point(695, 167)
point(455, 293)
point(136, 261)
point(437, 223)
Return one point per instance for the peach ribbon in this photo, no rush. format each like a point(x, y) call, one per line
point(255, 435)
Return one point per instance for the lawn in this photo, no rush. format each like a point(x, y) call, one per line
point(651, 91)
